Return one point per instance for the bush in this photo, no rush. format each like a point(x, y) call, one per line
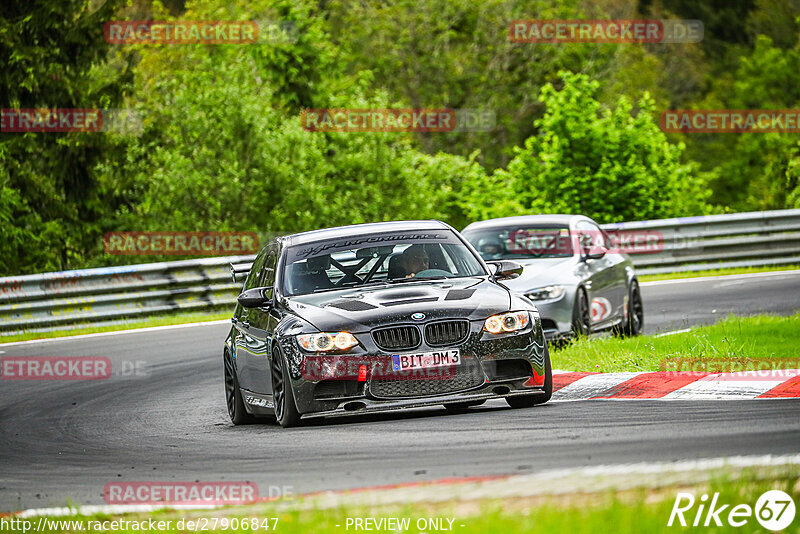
point(223, 148)
point(609, 164)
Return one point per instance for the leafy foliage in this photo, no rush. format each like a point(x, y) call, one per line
point(221, 146)
point(754, 171)
point(610, 164)
point(51, 55)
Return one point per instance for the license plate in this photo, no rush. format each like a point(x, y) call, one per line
point(426, 360)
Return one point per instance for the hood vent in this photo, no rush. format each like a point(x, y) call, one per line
point(459, 294)
point(410, 301)
point(351, 305)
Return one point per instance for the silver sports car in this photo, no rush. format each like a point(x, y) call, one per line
point(580, 282)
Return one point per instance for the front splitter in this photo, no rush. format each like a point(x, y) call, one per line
point(378, 406)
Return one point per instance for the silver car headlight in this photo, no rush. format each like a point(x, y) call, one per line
point(546, 293)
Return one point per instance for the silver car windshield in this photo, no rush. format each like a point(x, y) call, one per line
point(522, 242)
point(379, 259)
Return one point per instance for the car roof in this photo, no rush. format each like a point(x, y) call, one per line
point(558, 218)
point(355, 230)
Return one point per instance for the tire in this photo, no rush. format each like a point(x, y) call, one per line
point(233, 395)
point(282, 394)
point(635, 323)
point(581, 315)
point(462, 407)
point(526, 401)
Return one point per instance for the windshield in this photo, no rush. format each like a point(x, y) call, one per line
point(377, 259)
point(540, 241)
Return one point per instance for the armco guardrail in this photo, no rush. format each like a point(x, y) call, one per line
point(718, 241)
point(50, 301)
point(53, 301)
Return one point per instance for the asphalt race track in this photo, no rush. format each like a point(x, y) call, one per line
point(675, 304)
point(66, 440)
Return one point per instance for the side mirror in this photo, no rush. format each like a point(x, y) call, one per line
point(505, 269)
point(258, 297)
point(594, 253)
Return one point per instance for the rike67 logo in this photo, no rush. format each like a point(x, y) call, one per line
point(774, 510)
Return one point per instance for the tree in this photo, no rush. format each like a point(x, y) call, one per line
point(457, 54)
point(609, 164)
point(52, 52)
point(223, 147)
point(752, 168)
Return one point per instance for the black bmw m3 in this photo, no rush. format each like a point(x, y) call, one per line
point(378, 317)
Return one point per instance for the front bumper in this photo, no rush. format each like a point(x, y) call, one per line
point(556, 314)
point(481, 354)
point(366, 405)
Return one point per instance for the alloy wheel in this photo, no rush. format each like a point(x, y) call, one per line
point(230, 386)
point(637, 311)
point(278, 385)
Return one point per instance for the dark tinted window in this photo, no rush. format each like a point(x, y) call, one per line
point(255, 270)
point(377, 259)
point(268, 271)
point(522, 242)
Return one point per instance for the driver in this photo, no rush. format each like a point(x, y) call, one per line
point(491, 248)
point(415, 260)
point(316, 276)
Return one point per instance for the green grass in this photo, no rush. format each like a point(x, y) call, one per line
point(133, 324)
point(629, 511)
point(717, 272)
point(758, 337)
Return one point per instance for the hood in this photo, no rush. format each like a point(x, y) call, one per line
point(361, 309)
point(538, 272)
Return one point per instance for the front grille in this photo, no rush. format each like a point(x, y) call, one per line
point(443, 333)
point(397, 337)
point(465, 376)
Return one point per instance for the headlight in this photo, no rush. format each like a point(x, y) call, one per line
point(325, 341)
point(507, 322)
point(546, 293)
